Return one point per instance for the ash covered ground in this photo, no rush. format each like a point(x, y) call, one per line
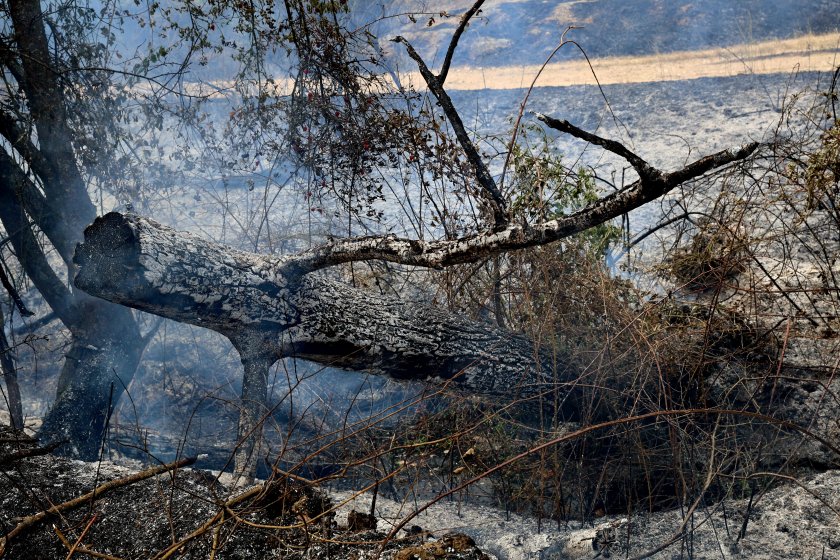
point(183, 399)
point(196, 514)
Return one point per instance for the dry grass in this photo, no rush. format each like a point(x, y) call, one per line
point(805, 53)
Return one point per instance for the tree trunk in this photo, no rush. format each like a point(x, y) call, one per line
point(9, 372)
point(97, 370)
point(271, 312)
point(253, 409)
point(49, 192)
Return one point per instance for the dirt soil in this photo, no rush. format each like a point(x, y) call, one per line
point(808, 53)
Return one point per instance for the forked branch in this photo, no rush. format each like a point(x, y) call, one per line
point(453, 44)
point(652, 184)
point(435, 84)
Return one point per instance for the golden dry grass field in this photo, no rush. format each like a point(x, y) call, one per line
point(803, 54)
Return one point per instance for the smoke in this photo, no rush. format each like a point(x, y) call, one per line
point(184, 400)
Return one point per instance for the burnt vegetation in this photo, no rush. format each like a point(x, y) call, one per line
point(472, 271)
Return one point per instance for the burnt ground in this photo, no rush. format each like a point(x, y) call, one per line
point(281, 519)
point(288, 519)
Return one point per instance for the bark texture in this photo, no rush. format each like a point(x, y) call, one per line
point(267, 309)
point(9, 373)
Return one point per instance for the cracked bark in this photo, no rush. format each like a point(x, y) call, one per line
point(270, 312)
point(267, 311)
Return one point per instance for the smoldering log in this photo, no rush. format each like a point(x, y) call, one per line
point(270, 311)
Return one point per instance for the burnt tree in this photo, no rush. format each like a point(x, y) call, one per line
point(269, 310)
point(271, 307)
point(44, 207)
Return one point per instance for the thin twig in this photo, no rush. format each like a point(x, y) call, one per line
point(82, 549)
point(84, 532)
point(525, 103)
point(13, 458)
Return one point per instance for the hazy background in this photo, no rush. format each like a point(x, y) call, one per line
point(187, 386)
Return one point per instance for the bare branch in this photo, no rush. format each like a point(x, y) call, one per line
point(485, 180)
point(13, 293)
point(643, 168)
point(453, 44)
point(439, 254)
point(22, 142)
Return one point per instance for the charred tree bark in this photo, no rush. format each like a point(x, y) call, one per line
point(98, 367)
point(253, 407)
point(268, 312)
point(9, 373)
point(42, 189)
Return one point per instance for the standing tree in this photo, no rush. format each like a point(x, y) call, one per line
point(44, 207)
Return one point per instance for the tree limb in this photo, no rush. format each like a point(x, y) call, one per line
point(453, 44)
point(22, 142)
point(485, 180)
point(28, 250)
point(32, 327)
point(269, 313)
point(36, 518)
point(9, 373)
point(440, 254)
point(8, 59)
point(13, 293)
point(41, 210)
point(13, 458)
point(64, 185)
point(645, 171)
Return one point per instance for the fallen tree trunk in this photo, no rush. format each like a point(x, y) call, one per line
point(269, 311)
point(248, 298)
